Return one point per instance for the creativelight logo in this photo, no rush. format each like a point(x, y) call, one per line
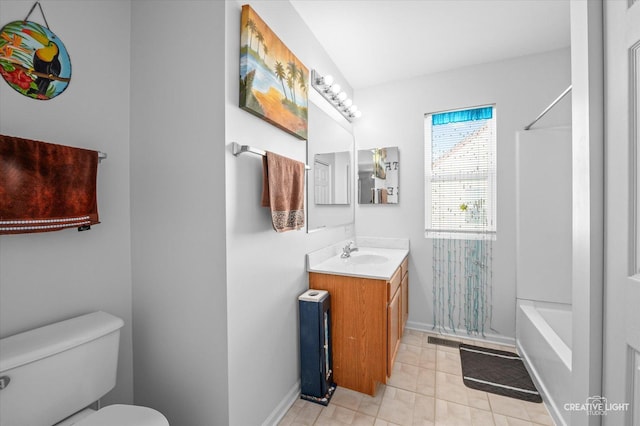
point(597, 406)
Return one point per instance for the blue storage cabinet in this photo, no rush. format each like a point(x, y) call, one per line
point(315, 347)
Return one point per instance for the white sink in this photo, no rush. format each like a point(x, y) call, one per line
point(367, 259)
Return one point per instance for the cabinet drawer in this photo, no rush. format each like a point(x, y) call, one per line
point(405, 266)
point(394, 283)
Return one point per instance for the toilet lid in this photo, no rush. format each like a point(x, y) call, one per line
point(124, 415)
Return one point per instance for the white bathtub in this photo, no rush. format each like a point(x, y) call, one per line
point(544, 341)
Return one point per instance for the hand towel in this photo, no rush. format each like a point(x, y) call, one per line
point(283, 191)
point(46, 187)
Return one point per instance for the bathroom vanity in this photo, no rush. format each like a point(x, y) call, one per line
point(370, 306)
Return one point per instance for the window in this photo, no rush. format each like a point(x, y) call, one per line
point(460, 174)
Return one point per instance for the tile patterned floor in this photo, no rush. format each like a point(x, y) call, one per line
point(425, 389)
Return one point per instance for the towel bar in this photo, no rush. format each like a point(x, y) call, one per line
point(238, 149)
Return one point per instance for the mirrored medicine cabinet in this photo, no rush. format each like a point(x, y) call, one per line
point(329, 182)
point(378, 175)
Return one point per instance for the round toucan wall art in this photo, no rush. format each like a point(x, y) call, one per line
point(33, 60)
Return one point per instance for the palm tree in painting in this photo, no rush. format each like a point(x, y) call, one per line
point(251, 25)
point(292, 76)
point(301, 80)
point(265, 50)
point(260, 39)
point(280, 74)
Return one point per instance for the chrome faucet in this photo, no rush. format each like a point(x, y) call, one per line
point(346, 250)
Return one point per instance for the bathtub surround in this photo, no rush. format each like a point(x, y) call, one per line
point(543, 212)
point(544, 237)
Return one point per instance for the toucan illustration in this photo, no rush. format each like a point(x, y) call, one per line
point(45, 61)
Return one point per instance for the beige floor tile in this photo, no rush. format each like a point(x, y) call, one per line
point(501, 420)
point(412, 338)
point(307, 413)
point(371, 404)
point(450, 387)
point(481, 417)
point(426, 384)
point(454, 349)
point(509, 407)
point(404, 376)
point(420, 356)
point(346, 398)
point(361, 419)
point(380, 422)
point(427, 358)
point(409, 354)
point(452, 414)
point(449, 362)
point(425, 340)
point(425, 389)
point(478, 399)
point(334, 414)
point(339, 416)
point(424, 411)
point(397, 406)
point(538, 413)
point(288, 419)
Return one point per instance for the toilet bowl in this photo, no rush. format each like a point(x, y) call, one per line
point(51, 374)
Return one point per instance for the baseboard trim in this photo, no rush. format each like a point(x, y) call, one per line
point(488, 337)
point(281, 409)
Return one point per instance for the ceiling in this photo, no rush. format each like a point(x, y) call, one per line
point(378, 41)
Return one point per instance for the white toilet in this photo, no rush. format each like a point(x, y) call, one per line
point(52, 374)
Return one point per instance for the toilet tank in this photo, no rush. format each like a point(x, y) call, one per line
point(49, 373)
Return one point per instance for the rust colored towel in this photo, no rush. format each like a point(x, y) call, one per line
point(46, 187)
point(283, 191)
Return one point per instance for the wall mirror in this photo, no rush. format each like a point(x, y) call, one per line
point(378, 175)
point(329, 182)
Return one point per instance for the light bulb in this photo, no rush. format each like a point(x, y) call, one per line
point(335, 89)
point(357, 114)
point(341, 96)
point(347, 103)
point(327, 80)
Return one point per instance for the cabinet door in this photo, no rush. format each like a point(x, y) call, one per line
point(404, 305)
point(393, 330)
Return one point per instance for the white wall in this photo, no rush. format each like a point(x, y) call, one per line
point(178, 214)
point(393, 115)
point(54, 276)
point(265, 270)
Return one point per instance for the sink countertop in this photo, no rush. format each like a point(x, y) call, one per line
point(328, 260)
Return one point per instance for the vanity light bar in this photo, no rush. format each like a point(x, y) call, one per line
point(333, 93)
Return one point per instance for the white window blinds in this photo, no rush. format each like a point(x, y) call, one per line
point(460, 174)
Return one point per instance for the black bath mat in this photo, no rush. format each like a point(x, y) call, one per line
point(498, 372)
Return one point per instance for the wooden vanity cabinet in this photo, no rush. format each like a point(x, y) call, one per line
point(367, 318)
point(404, 288)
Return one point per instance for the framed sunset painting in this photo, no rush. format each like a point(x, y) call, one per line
point(273, 82)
